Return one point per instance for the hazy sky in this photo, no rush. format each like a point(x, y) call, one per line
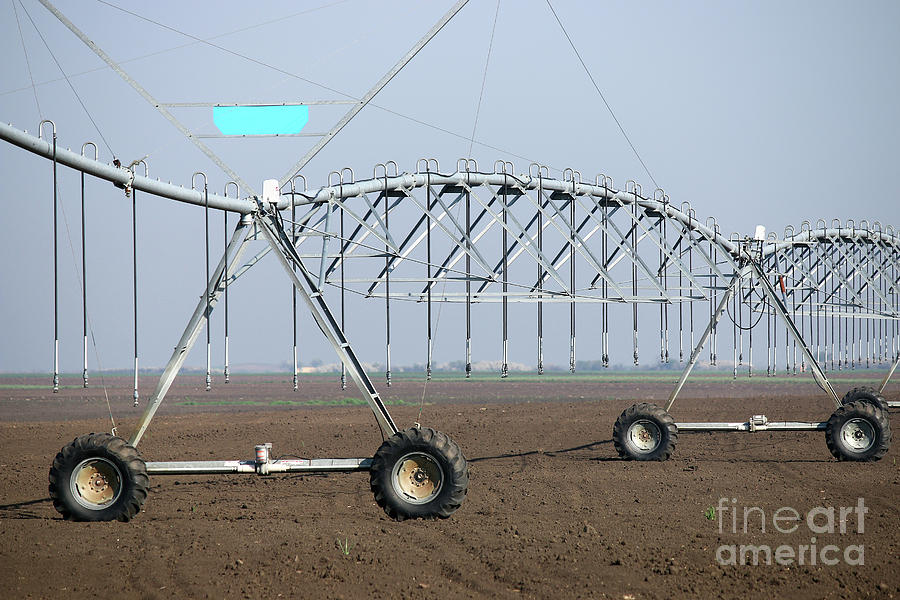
point(755, 112)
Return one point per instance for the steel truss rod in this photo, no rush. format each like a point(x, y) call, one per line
point(869, 280)
point(883, 264)
point(405, 248)
point(670, 252)
point(351, 244)
point(568, 230)
point(455, 256)
point(714, 319)
point(315, 303)
point(628, 249)
point(754, 270)
point(782, 311)
point(214, 287)
point(461, 239)
point(516, 249)
point(514, 227)
point(839, 283)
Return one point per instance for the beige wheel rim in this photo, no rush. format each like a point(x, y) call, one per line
point(644, 436)
point(96, 483)
point(417, 478)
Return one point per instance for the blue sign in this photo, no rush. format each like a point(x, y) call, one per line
point(260, 120)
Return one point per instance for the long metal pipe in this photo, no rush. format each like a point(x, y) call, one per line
point(812, 235)
point(301, 465)
point(526, 182)
point(750, 427)
point(117, 175)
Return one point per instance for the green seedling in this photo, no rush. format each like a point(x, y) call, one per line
point(710, 513)
point(344, 546)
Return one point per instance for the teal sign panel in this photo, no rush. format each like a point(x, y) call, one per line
point(260, 120)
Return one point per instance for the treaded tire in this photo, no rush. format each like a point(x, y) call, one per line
point(419, 474)
point(645, 432)
point(866, 394)
point(98, 477)
point(859, 431)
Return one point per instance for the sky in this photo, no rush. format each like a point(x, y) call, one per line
point(754, 112)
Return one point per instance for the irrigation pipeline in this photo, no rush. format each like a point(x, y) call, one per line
point(830, 279)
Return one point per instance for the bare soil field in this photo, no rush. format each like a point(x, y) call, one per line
point(552, 512)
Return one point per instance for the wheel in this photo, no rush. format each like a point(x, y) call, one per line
point(858, 431)
point(645, 432)
point(866, 394)
point(419, 474)
point(98, 477)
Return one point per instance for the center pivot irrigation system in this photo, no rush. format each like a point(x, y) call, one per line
point(829, 291)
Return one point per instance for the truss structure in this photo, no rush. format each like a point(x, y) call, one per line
point(474, 236)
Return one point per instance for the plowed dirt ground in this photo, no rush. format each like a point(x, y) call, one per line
point(552, 512)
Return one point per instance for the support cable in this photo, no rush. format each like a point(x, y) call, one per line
point(223, 49)
point(27, 61)
point(72, 87)
point(487, 61)
point(602, 97)
point(182, 46)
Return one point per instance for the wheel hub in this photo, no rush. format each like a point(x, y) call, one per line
point(98, 483)
point(417, 478)
point(858, 434)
